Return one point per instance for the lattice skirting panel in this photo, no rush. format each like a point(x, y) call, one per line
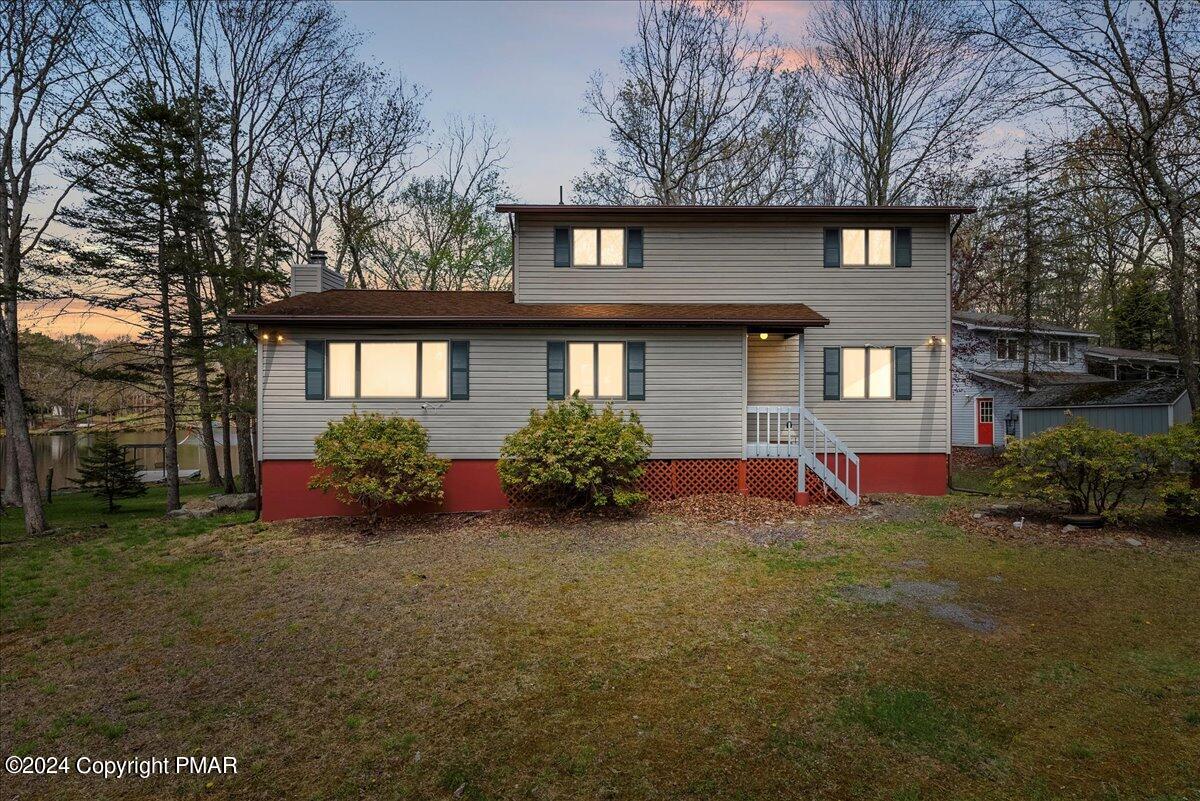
point(665, 479)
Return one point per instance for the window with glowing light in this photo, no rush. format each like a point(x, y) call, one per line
point(598, 247)
point(866, 372)
point(596, 369)
point(867, 247)
point(388, 369)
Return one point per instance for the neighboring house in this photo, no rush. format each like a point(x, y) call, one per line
point(777, 351)
point(1137, 407)
point(1122, 364)
point(989, 378)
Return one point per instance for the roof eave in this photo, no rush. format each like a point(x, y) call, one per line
point(539, 208)
point(357, 319)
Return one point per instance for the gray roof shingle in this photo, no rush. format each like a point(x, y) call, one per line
point(1110, 393)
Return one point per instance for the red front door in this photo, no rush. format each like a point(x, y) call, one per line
point(983, 418)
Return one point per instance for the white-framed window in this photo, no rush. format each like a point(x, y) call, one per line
point(388, 369)
point(867, 373)
point(1060, 351)
point(596, 369)
point(597, 247)
point(867, 247)
point(1008, 349)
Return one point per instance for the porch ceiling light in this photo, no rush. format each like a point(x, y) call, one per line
point(763, 335)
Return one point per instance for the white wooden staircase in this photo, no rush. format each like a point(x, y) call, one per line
point(795, 432)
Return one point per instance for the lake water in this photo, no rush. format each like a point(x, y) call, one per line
point(61, 451)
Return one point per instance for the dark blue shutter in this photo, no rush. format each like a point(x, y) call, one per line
point(556, 370)
point(833, 247)
point(314, 369)
point(833, 373)
point(903, 365)
point(633, 247)
point(460, 370)
point(562, 247)
point(904, 247)
point(635, 370)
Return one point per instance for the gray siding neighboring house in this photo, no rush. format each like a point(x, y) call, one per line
point(1136, 407)
point(988, 371)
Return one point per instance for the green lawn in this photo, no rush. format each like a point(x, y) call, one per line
point(661, 657)
point(80, 510)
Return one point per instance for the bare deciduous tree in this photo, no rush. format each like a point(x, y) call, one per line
point(1132, 71)
point(53, 69)
point(449, 235)
point(900, 90)
point(705, 113)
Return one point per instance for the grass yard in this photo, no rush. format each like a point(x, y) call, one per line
point(880, 654)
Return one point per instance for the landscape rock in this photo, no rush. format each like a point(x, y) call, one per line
point(1132, 541)
point(976, 515)
point(1068, 528)
point(1019, 523)
point(236, 502)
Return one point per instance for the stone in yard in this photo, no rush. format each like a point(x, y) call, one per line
point(976, 515)
point(1132, 541)
point(1068, 528)
point(1019, 523)
point(236, 502)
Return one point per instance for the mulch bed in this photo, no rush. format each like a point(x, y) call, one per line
point(1044, 525)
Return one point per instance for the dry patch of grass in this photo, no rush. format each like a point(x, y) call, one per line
point(674, 655)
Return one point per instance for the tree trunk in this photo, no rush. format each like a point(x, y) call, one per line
point(1185, 344)
point(241, 419)
point(170, 438)
point(227, 454)
point(196, 323)
point(16, 427)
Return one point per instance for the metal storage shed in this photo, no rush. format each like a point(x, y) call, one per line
point(1137, 407)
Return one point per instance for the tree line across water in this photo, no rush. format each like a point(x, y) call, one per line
point(171, 158)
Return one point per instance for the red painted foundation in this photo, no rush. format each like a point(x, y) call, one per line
point(472, 485)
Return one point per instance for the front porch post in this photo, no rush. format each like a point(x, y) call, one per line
point(801, 490)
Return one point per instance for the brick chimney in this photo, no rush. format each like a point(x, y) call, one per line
point(315, 275)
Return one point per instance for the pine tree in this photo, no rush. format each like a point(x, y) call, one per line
point(105, 470)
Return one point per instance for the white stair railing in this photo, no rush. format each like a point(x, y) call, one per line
point(792, 431)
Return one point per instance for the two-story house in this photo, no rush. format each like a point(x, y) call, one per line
point(989, 371)
point(778, 351)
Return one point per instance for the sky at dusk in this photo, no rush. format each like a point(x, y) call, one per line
point(522, 65)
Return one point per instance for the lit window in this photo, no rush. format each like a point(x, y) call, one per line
point(880, 252)
point(388, 369)
point(586, 247)
point(880, 360)
point(866, 247)
point(596, 365)
point(866, 372)
point(610, 369)
point(581, 360)
point(854, 367)
point(435, 374)
point(341, 370)
point(598, 247)
point(854, 246)
point(612, 247)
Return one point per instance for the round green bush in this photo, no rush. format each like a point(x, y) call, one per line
point(572, 456)
point(372, 460)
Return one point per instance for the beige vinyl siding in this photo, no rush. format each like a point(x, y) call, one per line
point(779, 259)
point(693, 406)
point(773, 376)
